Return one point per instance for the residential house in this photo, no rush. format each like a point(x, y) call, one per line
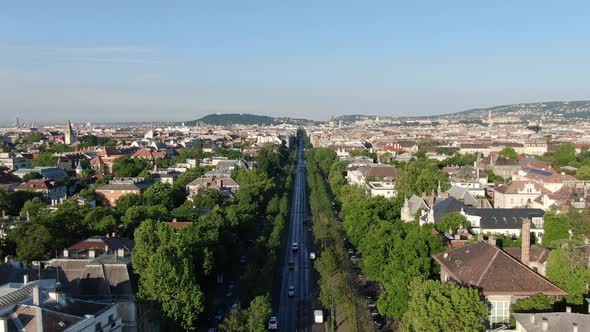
point(518, 194)
point(42, 306)
point(501, 278)
point(359, 175)
point(431, 209)
point(99, 269)
point(504, 221)
point(103, 162)
point(166, 176)
point(536, 148)
point(564, 199)
point(474, 148)
point(470, 178)
point(51, 190)
point(552, 321)
point(110, 193)
point(50, 173)
point(500, 165)
point(226, 186)
point(381, 188)
point(9, 181)
point(14, 161)
point(149, 155)
point(547, 178)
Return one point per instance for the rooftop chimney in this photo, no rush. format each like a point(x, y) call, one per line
point(525, 246)
point(26, 279)
point(532, 318)
point(91, 253)
point(66, 253)
point(545, 325)
point(36, 295)
point(574, 327)
point(568, 309)
point(120, 253)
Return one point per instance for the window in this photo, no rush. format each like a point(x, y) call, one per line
point(111, 318)
point(538, 222)
point(499, 312)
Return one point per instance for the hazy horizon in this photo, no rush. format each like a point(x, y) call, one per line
point(134, 61)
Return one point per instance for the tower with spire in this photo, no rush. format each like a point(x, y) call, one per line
point(69, 136)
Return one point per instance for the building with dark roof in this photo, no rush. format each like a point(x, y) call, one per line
point(504, 221)
point(501, 278)
point(41, 305)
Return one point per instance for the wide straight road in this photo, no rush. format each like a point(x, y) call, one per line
point(295, 312)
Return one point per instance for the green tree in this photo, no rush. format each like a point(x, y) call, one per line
point(583, 173)
point(568, 269)
point(44, 159)
point(164, 194)
point(188, 176)
point(35, 137)
point(556, 228)
point(32, 176)
point(535, 303)
point(258, 314)
point(129, 167)
point(453, 221)
point(33, 207)
point(436, 306)
point(33, 241)
point(165, 262)
point(493, 178)
point(509, 153)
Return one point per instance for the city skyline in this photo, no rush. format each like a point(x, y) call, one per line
point(103, 63)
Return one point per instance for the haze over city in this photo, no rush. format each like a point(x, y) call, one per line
point(157, 61)
point(294, 166)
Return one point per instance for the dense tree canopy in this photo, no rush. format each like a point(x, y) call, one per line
point(129, 167)
point(436, 306)
point(568, 269)
point(509, 153)
point(44, 159)
point(453, 222)
point(32, 176)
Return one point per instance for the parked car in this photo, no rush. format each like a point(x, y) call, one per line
point(273, 324)
point(312, 255)
point(291, 292)
point(291, 264)
point(295, 246)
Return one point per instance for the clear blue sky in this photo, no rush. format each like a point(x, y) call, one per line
point(173, 60)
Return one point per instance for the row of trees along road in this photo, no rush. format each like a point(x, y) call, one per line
point(337, 291)
point(176, 268)
point(187, 260)
point(398, 254)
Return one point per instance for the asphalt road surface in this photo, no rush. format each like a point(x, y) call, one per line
point(295, 313)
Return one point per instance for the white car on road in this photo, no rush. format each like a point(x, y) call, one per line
point(272, 323)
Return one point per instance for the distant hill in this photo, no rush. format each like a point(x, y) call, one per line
point(527, 111)
point(233, 119)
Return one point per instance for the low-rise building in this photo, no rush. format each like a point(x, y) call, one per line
point(504, 221)
point(14, 161)
point(226, 186)
point(501, 278)
point(110, 193)
point(381, 188)
point(51, 190)
point(42, 306)
point(518, 194)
